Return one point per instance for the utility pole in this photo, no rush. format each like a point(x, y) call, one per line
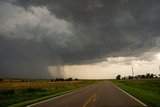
point(159, 70)
point(132, 72)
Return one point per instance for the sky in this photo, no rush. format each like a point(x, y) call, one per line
point(87, 39)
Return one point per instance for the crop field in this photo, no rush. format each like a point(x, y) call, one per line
point(24, 92)
point(146, 90)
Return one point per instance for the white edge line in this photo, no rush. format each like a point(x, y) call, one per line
point(51, 98)
point(131, 96)
point(72, 91)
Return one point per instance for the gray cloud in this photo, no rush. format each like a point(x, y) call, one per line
point(50, 32)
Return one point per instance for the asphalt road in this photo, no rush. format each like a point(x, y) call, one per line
point(103, 94)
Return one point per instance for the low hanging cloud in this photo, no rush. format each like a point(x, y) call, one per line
point(145, 58)
point(35, 34)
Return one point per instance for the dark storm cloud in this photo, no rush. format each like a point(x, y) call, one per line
point(104, 27)
point(93, 30)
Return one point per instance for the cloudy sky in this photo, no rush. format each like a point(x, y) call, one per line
point(79, 38)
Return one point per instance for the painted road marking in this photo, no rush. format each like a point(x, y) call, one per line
point(92, 97)
point(65, 94)
point(131, 96)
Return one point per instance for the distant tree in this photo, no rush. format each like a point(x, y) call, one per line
point(151, 76)
point(59, 79)
point(31, 80)
point(62, 79)
point(124, 78)
point(155, 76)
point(130, 77)
point(148, 75)
point(1, 79)
point(51, 80)
point(118, 77)
point(22, 80)
point(76, 79)
point(138, 76)
point(69, 79)
point(143, 76)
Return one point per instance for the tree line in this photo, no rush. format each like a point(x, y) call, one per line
point(148, 75)
point(62, 79)
point(48, 80)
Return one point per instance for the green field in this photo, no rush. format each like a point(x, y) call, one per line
point(146, 90)
point(18, 93)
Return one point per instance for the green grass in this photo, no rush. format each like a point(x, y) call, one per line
point(25, 103)
point(20, 94)
point(146, 90)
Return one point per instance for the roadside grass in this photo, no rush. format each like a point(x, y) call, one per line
point(25, 103)
point(20, 94)
point(146, 90)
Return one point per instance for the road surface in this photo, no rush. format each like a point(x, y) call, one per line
point(103, 94)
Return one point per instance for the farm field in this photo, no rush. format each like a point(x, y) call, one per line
point(146, 90)
point(23, 92)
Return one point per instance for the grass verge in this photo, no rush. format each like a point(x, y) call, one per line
point(20, 94)
point(148, 91)
point(23, 104)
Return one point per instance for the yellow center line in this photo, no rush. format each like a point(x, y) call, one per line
point(92, 97)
